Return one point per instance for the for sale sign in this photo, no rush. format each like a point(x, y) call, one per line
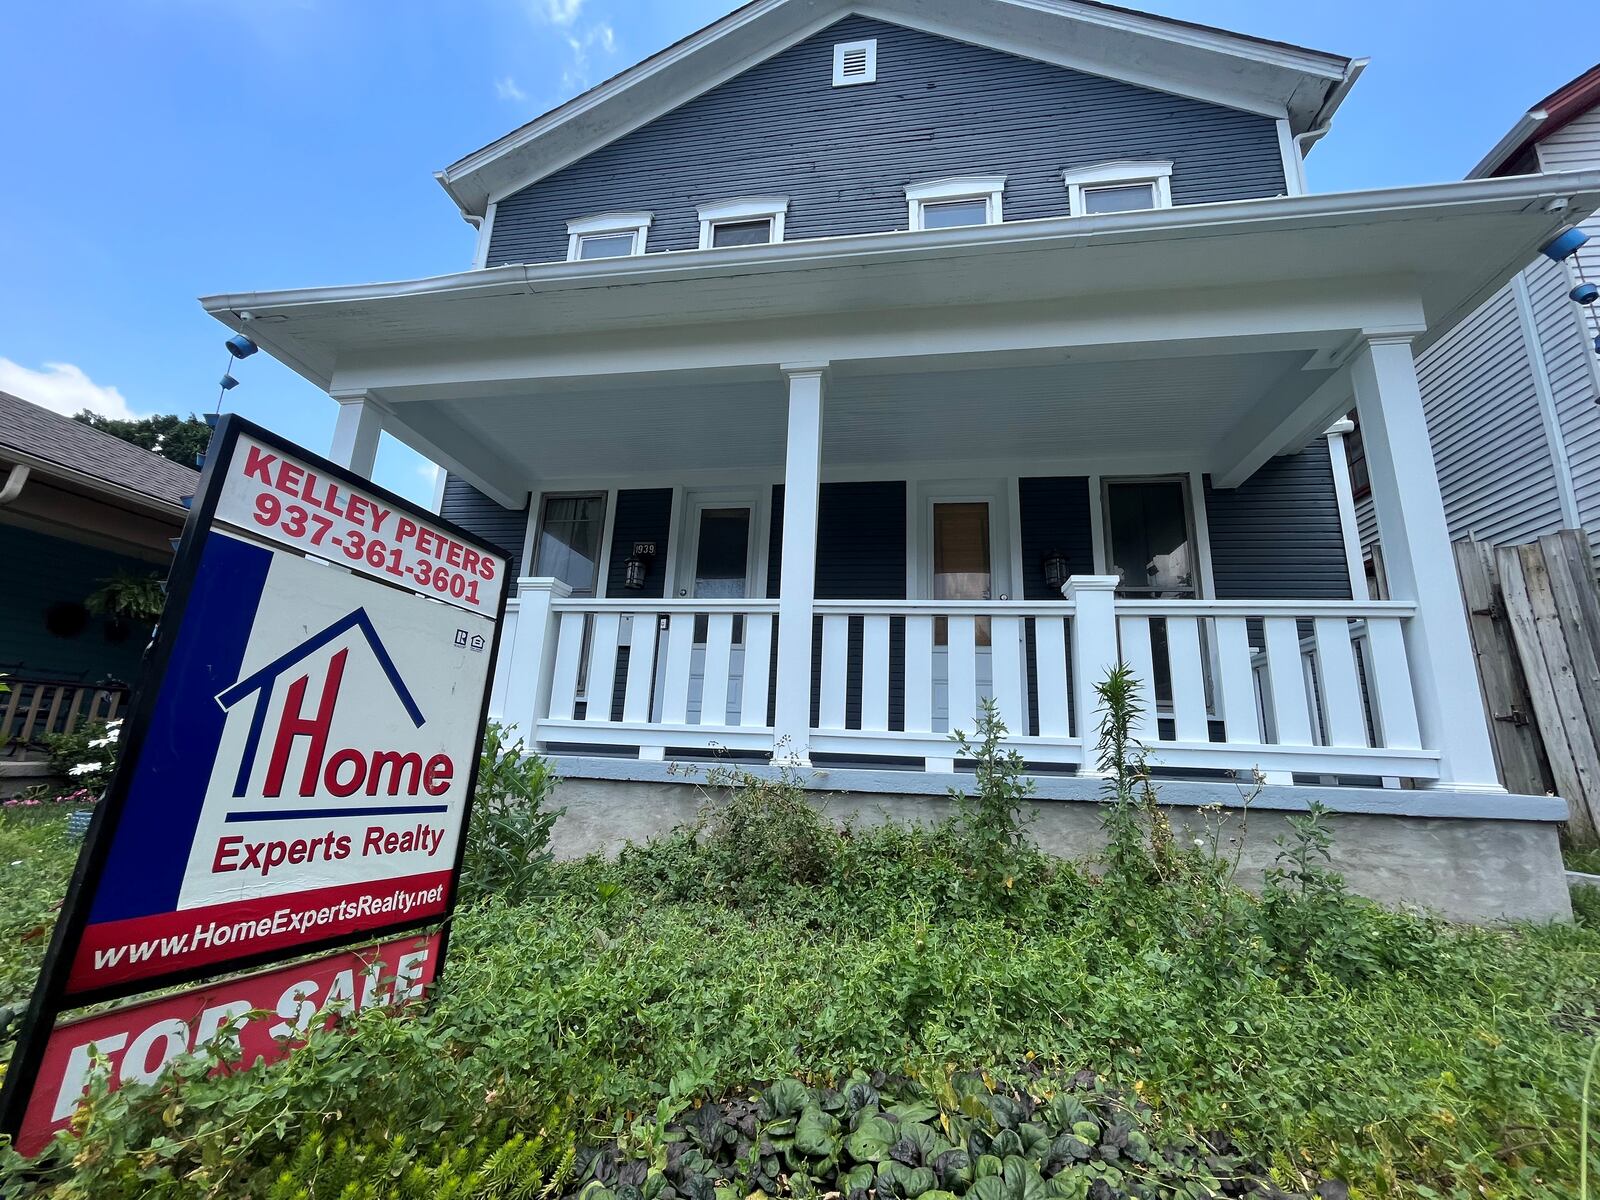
point(256, 1019)
point(297, 769)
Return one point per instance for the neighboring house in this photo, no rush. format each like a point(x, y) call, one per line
point(1511, 390)
point(77, 507)
point(831, 372)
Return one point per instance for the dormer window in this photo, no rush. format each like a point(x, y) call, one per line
point(1118, 187)
point(964, 200)
point(754, 222)
point(610, 235)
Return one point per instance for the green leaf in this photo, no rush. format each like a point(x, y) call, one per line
point(871, 1141)
point(786, 1097)
point(816, 1133)
point(986, 1166)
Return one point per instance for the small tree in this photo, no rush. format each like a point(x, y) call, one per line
point(182, 439)
point(993, 822)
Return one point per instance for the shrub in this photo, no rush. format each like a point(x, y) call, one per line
point(508, 840)
point(86, 757)
point(991, 824)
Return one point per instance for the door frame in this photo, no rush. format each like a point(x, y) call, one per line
point(1004, 569)
point(691, 502)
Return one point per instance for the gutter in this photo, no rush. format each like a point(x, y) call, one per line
point(1526, 128)
point(1323, 121)
point(28, 463)
point(1193, 220)
point(15, 482)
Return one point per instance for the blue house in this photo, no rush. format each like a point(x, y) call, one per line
point(841, 367)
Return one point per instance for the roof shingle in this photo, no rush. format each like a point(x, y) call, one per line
point(70, 444)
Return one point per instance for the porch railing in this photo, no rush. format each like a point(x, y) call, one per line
point(1284, 687)
point(34, 709)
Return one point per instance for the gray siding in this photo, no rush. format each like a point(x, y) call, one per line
point(844, 156)
point(1566, 337)
point(469, 508)
point(1277, 536)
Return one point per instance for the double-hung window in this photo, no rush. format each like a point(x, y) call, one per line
point(963, 200)
point(571, 530)
point(1118, 187)
point(610, 235)
point(1150, 541)
point(753, 222)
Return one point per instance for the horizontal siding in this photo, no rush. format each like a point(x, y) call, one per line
point(1054, 516)
point(1487, 430)
point(1571, 366)
point(1277, 536)
point(469, 508)
point(844, 156)
point(643, 515)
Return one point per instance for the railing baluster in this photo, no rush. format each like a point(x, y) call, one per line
point(602, 667)
point(757, 670)
point(1188, 680)
point(675, 678)
point(718, 668)
point(641, 670)
point(1392, 696)
point(1134, 634)
point(919, 673)
point(1236, 682)
point(569, 658)
point(962, 660)
point(1341, 689)
point(1009, 695)
point(875, 673)
point(835, 671)
point(1284, 669)
point(1050, 666)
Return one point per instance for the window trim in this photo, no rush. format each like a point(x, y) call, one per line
point(609, 225)
point(988, 188)
point(732, 212)
point(1200, 568)
point(840, 79)
point(1122, 173)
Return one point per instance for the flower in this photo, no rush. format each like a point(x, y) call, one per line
point(101, 743)
point(86, 768)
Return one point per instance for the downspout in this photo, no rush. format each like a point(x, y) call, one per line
point(15, 482)
point(1322, 123)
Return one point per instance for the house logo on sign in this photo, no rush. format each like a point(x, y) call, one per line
point(475, 641)
point(307, 711)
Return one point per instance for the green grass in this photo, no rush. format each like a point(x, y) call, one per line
point(1585, 860)
point(1418, 1061)
point(35, 863)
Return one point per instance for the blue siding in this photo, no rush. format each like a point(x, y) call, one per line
point(469, 508)
point(643, 515)
point(1054, 516)
point(844, 156)
point(1278, 537)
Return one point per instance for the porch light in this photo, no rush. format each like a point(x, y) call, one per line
point(1055, 570)
point(637, 566)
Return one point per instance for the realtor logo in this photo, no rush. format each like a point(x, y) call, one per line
point(346, 771)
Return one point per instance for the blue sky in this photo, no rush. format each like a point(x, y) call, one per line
point(159, 150)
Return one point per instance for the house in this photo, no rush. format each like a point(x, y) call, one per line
point(77, 507)
point(1511, 391)
point(842, 366)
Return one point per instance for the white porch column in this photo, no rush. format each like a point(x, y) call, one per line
point(802, 477)
point(1421, 567)
point(355, 435)
point(1094, 653)
point(531, 656)
point(1345, 496)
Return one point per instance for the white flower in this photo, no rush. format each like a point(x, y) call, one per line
point(102, 743)
point(86, 768)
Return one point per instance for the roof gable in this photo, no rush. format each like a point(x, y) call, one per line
point(1251, 74)
point(1512, 154)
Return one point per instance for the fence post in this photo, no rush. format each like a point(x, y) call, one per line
point(1094, 654)
point(531, 655)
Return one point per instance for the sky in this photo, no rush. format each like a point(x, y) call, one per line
point(161, 150)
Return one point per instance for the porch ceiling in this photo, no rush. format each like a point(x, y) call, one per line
point(1151, 413)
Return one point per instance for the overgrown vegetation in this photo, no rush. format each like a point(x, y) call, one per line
point(621, 1014)
point(508, 840)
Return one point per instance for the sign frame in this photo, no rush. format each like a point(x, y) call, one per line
point(50, 997)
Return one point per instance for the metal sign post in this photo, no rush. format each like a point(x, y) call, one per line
point(297, 767)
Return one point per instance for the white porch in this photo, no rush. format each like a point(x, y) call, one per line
point(1194, 344)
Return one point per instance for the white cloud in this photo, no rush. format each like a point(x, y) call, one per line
point(63, 388)
point(507, 89)
point(559, 12)
point(576, 75)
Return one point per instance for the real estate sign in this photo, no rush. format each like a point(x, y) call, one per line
point(298, 765)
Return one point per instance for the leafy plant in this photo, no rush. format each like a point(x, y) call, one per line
point(508, 840)
point(182, 439)
point(132, 597)
point(992, 822)
point(86, 758)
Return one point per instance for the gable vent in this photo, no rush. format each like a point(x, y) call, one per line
point(855, 62)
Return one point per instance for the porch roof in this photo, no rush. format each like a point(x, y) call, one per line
point(1452, 244)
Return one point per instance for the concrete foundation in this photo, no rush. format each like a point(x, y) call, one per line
point(1498, 861)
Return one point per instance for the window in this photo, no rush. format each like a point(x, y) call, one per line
point(1149, 541)
point(947, 203)
point(753, 222)
point(611, 235)
point(1118, 187)
point(855, 62)
point(1355, 454)
point(568, 548)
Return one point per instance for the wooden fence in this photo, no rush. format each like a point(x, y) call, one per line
point(34, 708)
point(1534, 612)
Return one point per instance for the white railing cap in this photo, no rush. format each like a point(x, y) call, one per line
point(544, 583)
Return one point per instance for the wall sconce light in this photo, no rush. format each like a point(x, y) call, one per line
point(637, 565)
point(1056, 568)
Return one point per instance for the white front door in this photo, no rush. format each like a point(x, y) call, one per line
point(719, 561)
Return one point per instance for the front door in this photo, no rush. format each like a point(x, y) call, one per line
point(719, 563)
point(965, 556)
